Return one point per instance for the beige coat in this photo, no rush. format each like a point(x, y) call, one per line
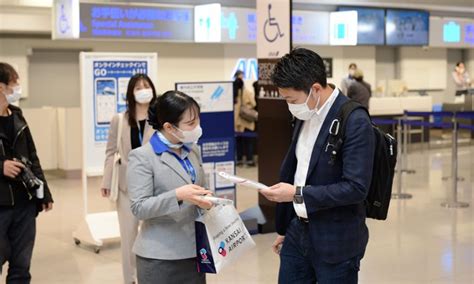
point(249, 100)
point(126, 148)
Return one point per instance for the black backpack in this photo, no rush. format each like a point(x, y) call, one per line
point(380, 192)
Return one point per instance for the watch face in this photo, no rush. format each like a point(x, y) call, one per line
point(298, 199)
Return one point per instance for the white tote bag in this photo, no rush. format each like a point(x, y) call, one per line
point(114, 185)
point(221, 237)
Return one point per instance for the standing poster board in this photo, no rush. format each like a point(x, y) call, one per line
point(217, 143)
point(104, 81)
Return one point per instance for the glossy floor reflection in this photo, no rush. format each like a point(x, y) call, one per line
point(421, 242)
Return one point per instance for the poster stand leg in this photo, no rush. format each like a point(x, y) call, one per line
point(95, 228)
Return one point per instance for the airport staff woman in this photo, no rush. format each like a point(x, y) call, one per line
point(165, 183)
point(135, 131)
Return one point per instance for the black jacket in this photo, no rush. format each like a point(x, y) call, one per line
point(21, 145)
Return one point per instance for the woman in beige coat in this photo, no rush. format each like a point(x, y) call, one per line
point(135, 132)
point(244, 145)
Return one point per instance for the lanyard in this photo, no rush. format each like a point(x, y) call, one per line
point(140, 135)
point(189, 169)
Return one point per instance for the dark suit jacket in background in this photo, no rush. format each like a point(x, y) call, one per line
point(334, 195)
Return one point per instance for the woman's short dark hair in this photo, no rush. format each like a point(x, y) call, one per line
point(170, 107)
point(300, 69)
point(238, 73)
point(7, 73)
point(459, 63)
point(130, 98)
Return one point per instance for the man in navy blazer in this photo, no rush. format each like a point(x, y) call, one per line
point(320, 215)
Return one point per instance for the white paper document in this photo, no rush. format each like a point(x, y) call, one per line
point(218, 201)
point(242, 181)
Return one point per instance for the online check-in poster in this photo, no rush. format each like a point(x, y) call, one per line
point(110, 89)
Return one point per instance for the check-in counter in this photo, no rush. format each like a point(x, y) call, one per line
point(394, 106)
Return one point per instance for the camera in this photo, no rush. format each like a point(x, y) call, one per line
point(27, 177)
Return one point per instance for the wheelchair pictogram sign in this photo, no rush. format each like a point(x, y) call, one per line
point(271, 28)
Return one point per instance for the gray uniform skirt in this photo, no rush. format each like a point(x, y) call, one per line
point(154, 271)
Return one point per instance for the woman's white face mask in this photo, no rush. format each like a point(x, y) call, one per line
point(189, 136)
point(143, 96)
point(302, 111)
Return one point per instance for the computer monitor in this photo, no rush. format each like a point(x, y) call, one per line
point(407, 27)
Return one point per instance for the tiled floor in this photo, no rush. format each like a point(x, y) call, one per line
point(421, 242)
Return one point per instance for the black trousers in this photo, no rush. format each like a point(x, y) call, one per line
point(245, 147)
point(17, 238)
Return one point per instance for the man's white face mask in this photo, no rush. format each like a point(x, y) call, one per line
point(302, 111)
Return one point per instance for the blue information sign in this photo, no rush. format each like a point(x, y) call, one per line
point(110, 87)
point(135, 22)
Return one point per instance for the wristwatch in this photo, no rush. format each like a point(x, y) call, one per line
point(298, 198)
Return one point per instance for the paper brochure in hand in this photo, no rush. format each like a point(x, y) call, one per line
point(242, 181)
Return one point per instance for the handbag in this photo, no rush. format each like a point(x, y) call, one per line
point(246, 112)
point(114, 185)
point(221, 238)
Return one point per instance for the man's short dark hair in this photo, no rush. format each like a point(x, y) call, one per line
point(7, 73)
point(352, 65)
point(299, 69)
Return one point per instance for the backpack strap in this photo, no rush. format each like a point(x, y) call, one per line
point(337, 130)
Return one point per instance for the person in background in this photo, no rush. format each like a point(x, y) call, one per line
point(238, 84)
point(135, 133)
point(20, 203)
point(256, 90)
point(461, 79)
point(166, 183)
point(346, 82)
point(359, 90)
point(244, 144)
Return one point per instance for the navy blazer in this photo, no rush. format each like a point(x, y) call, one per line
point(334, 195)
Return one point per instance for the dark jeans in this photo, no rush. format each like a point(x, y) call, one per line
point(245, 147)
point(17, 238)
point(299, 264)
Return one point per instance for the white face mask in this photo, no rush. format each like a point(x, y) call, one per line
point(302, 111)
point(15, 96)
point(143, 96)
point(190, 136)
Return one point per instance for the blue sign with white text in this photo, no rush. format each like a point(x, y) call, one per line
point(110, 87)
point(135, 22)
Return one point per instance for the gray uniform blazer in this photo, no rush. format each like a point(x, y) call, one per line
point(167, 231)
point(126, 147)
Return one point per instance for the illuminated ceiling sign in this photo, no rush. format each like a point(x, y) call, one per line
point(343, 28)
point(66, 19)
point(451, 32)
point(207, 23)
point(469, 33)
point(136, 22)
point(238, 25)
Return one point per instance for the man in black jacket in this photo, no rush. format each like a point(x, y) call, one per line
point(19, 202)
